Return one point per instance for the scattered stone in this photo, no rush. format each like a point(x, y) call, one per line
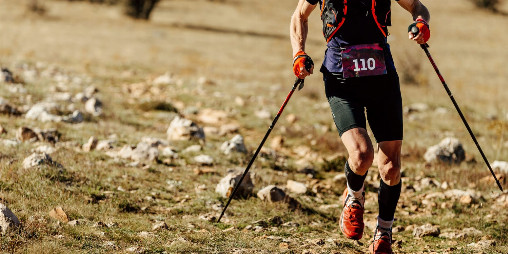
point(467, 232)
point(204, 159)
point(6, 108)
point(104, 145)
point(296, 187)
point(59, 214)
point(25, 134)
point(9, 143)
point(73, 223)
point(481, 245)
point(239, 101)
point(145, 151)
point(6, 76)
point(93, 106)
point(211, 116)
point(465, 197)
point(501, 166)
point(91, 144)
point(41, 112)
point(416, 108)
point(205, 81)
point(291, 118)
point(205, 171)
point(160, 225)
point(169, 152)
point(277, 143)
point(37, 159)
point(75, 117)
point(51, 135)
point(45, 149)
point(228, 128)
point(262, 114)
point(449, 150)
point(234, 145)
point(7, 219)
point(183, 129)
point(210, 217)
point(426, 230)
point(90, 91)
point(192, 149)
point(271, 193)
point(165, 79)
point(228, 183)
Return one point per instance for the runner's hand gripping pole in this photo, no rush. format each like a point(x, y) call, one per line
point(298, 81)
point(425, 46)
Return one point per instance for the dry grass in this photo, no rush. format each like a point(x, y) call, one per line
point(244, 47)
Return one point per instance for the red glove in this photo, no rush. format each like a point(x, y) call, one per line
point(423, 28)
point(300, 62)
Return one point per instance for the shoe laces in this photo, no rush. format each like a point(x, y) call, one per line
point(352, 201)
point(383, 233)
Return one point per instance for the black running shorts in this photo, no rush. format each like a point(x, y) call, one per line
point(378, 96)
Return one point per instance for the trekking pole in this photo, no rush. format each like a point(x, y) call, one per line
point(297, 82)
point(425, 47)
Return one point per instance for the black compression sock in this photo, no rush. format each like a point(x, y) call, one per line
point(388, 197)
point(354, 181)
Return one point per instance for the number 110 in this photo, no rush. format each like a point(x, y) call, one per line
point(371, 64)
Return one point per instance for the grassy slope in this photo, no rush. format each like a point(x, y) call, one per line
point(242, 45)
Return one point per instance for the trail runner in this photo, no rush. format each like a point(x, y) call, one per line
point(361, 83)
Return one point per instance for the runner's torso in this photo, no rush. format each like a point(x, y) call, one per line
point(360, 22)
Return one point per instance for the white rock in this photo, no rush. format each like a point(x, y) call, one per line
point(145, 151)
point(426, 230)
point(94, 106)
point(192, 149)
point(7, 219)
point(104, 145)
point(263, 114)
point(45, 149)
point(204, 159)
point(205, 81)
point(460, 194)
point(416, 107)
point(296, 187)
point(169, 152)
point(40, 112)
point(228, 183)
point(37, 159)
point(75, 117)
point(9, 143)
point(501, 166)
point(166, 79)
point(91, 144)
point(184, 129)
point(234, 145)
point(449, 150)
point(271, 193)
point(211, 116)
point(90, 91)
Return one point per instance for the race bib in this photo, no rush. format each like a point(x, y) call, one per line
point(363, 60)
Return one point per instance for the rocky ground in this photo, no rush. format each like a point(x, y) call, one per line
point(117, 158)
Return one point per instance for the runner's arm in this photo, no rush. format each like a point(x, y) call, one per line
point(416, 8)
point(299, 25)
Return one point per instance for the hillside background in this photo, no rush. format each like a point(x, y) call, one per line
point(104, 78)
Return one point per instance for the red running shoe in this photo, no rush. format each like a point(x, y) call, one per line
point(382, 243)
point(351, 219)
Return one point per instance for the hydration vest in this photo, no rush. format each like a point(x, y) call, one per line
point(334, 14)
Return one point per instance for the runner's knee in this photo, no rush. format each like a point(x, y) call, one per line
point(360, 160)
point(390, 173)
